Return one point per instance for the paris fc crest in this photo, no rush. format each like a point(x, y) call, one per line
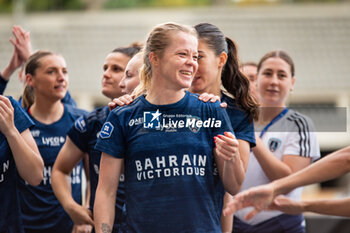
point(274, 144)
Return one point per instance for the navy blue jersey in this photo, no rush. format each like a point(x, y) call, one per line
point(68, 99)
point(170, 178)
point(3, 84)
point(40, 208)
point(9, 203)
point(84, 135)
point(241, 124)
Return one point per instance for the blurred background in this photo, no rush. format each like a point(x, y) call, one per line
point(316, 33)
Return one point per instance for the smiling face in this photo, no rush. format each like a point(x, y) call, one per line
point(113, 70)
point(50, 78)
point(208, 76)
point(274, 82)
point(131, 77)
point(177, 65)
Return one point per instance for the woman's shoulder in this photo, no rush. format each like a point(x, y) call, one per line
point(127, 109)
point(74, 111)
point(299, 120)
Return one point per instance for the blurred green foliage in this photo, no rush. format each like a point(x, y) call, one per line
point(54, 5)
point(154, 3)
point(43, 5)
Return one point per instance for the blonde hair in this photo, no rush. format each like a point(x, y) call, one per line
point(158, 40)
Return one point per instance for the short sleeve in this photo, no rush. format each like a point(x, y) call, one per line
point(222, 117)
point(21, 119)
point(302, 140)
point(3, 84)
point(111, 138)
point(79, 134)
point(245, 131)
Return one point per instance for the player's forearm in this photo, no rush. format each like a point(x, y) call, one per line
point(61, 186)
point(339, 207)
point(104, 212)
point(233, 174)
point(330, 167)
point(28, 161)
point(272, 166)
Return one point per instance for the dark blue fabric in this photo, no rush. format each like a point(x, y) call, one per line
point(3, 84)
point(170, 178)
point(68, 99)
point(283, 223)
point(241, 123)
point(9, 204)
point(84, 135)
point(40, 208)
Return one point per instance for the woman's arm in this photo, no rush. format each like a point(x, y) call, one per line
point(25, 152)
point(104, 207)
point(69, 156)
point(330, 167)
point(338, 207)
point(244, 151)
point(229, 162)
point(275, 168)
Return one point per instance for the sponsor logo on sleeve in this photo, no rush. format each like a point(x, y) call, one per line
point(80, 124)
point(107, 130)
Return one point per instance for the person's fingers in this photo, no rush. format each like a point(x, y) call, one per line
point(13, 41)
point(223, 105)
point(230, 141)
point(6, 101)
point(111, 105)
point(251, 214)
point(230, 135)
point(215, 98)
point(202, 96)
point(129, 98)
point(224, 150)
point(208, 97)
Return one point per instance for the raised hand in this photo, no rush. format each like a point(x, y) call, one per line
point(21, 42)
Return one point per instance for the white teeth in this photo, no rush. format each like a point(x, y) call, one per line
point(186, 72)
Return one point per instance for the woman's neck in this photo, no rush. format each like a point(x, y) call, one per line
point(164, 97)
point(267, 114)
point(47, 112)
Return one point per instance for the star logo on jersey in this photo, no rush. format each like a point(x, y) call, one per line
point(107, 130)
point(151, 120)
point(274, 144)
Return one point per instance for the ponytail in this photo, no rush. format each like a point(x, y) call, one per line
point(27, 96)
point(236, 83)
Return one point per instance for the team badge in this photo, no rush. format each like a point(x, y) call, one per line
point(274, 144)
point(107, 130)
point(193, 127)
